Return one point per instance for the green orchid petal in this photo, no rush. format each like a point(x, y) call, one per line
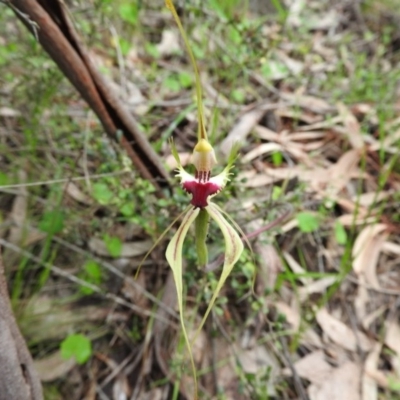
point(175, 153)
point(233, 250)
point(233, 155)
point(174, 258)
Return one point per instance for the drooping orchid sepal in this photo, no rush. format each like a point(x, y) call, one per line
point(233, 250)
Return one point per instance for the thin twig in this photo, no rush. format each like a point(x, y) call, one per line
point(62, 180)
point(297, 381)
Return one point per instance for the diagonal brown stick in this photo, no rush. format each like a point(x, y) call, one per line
point(18, 379)
point(49, 21)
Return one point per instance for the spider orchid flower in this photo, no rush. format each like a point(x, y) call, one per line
point(202, 187)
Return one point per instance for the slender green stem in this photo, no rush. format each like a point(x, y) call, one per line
point(201, 230)
point(202, 134)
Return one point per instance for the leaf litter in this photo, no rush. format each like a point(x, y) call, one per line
point(335, 302)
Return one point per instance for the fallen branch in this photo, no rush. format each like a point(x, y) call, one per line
point(18, 378)
point(49, 22)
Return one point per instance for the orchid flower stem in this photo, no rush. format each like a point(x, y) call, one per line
point(201, 231)
point(202, 134)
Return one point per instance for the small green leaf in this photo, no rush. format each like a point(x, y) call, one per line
point(274, 70)
point(78, 346)
point(277, 192)
point(127, 209)
point(152, 50)
point(52, 222)
point(185, 79)
point(340, 233)
point(113, 244)
point(91, 273)
point(93, 270)
point(125, 46)
point(129, 12)
point(102, 193)
point(394, 384)
point(277, 158)
point(238, 95)
point(172, 84)
point(3, 179)
point(307, 222)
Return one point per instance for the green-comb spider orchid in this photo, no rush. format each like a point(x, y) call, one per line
point(202, 187)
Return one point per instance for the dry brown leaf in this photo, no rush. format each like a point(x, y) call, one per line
point(317, 286)
point(53, 366)
point(288, 226)
point(361, 301)
point(120, 389)
point(314, 104)
point(349, 206)
point(271, 175)
point(392, 336)
point(257, 360)
point(131, 249)
point(294, 66)
point(388, 143)
point(44, 320)
point(296, 268)
point(348, 220)
point(267, 134)
point(306, 136)
point(366, 251)
point(154, 394)
point(330, 123)
point(291, 314)
point(369, 387)
point(341, 334)
point(9, 112)
point(169, 43)
point(390, 247)
point(135, 99)
point(76, 193)
point(241, 129)
point(352, 127)
point(371, 198)
point(392, 340)
point(264, 148)
point(33, 236)
point(298, 115)
point(270, 265)
point(132, 292)
point(343, 383)
point(372, 316)
point(227, 378)
point(340, 173)
point(313, 367)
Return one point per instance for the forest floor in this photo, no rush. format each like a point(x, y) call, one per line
point(312, 93)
